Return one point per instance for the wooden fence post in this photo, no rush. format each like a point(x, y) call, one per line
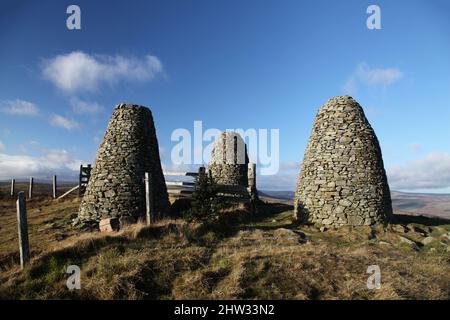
point(251, 173)
point(22, 229)
point(148, 205)
point(79, 180)
point(13, 184)
point(54, 187)
point(30, 190)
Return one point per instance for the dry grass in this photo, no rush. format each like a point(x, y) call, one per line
point(49, 224)
point(255, 257)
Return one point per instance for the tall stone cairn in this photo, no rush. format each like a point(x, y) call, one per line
point(342, 179)
point(229, 160)
point(129, 149)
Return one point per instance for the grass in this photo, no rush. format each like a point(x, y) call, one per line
point(262, 256)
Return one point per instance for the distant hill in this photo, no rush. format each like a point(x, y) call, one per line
point(284, 195)
point(425, 204)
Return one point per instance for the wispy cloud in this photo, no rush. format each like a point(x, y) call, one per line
point(19, 108)
point(364, 75)
point(431, 172)
point(2, 146)
point(85, 107)
point(45, 165)
point(77, 71)
point(62, 122)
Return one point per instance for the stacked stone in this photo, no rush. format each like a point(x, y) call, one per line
point(342, 179)
point(116, 187)
point(229, 160)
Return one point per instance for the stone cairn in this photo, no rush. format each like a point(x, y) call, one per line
point(116, 187)
point(229, 161)
point(342, 179)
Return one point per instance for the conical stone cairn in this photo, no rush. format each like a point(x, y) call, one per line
point(229, 160)
point(342, 179)
point(129, 149)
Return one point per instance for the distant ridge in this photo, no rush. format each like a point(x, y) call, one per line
point(285, 195)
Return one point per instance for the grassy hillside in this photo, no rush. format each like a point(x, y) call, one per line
point(263, 256)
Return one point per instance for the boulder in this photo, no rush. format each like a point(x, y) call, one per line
point(109, 225)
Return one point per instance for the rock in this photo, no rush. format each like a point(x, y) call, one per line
point(109, 225)
point(345, 203)
point(417, 230)
point(110, 194)
point(398, 228)
point(406, 240)
point(384, 243)
point(427, 240)
point(446, 235)
point(355, 220)
point(76, 222)
point(323, 229)
point(342, 179)
point(283, 232)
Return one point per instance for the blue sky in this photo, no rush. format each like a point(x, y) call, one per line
point(231, 64)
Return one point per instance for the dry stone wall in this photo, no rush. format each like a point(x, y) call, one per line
point(342, 179)
point(128, 150)
point(229, 160)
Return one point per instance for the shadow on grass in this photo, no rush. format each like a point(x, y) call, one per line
point(427, 221)
point(240, 220)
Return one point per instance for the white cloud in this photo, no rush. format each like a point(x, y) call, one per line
point(431, 172)
point(371, 77)
point(78, 71)
point(19, 107)
point(43, 166)
point(85, 107)
point(2, 146)
point(284, 180)
point(60, 121)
